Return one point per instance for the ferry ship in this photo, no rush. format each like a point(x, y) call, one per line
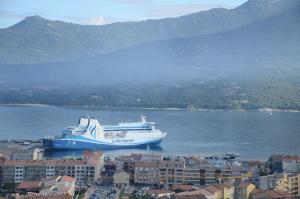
point(89, 134)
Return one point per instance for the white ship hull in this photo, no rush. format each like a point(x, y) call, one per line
point(96, 136)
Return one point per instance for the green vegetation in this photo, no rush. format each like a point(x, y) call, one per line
point(221, 94)
point(80, 194)
point(7, 188)
point(178, 190)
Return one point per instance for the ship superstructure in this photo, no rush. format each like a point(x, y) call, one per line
point(90, 134)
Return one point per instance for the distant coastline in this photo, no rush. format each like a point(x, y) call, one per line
point(25, 104)
point(266, 110)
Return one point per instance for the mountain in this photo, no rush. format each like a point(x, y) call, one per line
point(38, 40)
point(268, 46)
point(265, 49)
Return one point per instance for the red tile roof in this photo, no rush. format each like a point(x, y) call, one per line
point(146, 164)
point(68, 179)
point(2, 160)
point(57, 196)
point(189, 195)
point(270, 194)
point(88, 154)
point(256, 191)
point(45, 162)
point(29, 185)
point(285, 157)
point(159, 191)
point(205, 192)
point(256, 162)
point(182, 187)
point(290, 157)
point(212, 189)
point(279, 194)
point(172, 162)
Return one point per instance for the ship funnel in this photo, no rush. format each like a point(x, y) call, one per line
point(143, 118)
point(94, 128)
point(84, 122)
point(94, 122)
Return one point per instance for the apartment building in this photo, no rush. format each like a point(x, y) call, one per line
point(146, 173)
point(290, 164)
point(268, 182)
point(171, 172)
point(121, 179)
point(289, 183)
point(87, 170)
point(243, 190)
point(158, 173)
point(284, 163)
point(128, 163)
point(227, 190)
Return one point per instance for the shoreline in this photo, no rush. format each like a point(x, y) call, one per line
point(263, 110)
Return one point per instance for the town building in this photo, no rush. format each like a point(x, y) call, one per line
point(289, 183)
point(50, 186)
point(29, 186)
point(171, 172)
point(121, 179)
point(58, 196)
point(160, 193)
point(270, 194)
point(255, 169)
point(228, 190)
point(268, 182)
point(21, 154)
point(146, 173)
point(243, 190)
point(290, 164)
point(109, 168)
point(127, 162)
point(85, 171)
point(284, 163)
point(199, 172)
point(207, 194)
point(192, 195)
point(62, 184)
point(215, 191)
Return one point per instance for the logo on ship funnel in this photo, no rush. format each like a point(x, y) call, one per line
point(92, 130)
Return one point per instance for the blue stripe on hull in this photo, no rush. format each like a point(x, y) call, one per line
point(65, 144)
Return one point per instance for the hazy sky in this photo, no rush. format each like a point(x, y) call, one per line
point(100, 12)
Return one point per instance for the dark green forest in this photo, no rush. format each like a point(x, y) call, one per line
point(214, 94)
